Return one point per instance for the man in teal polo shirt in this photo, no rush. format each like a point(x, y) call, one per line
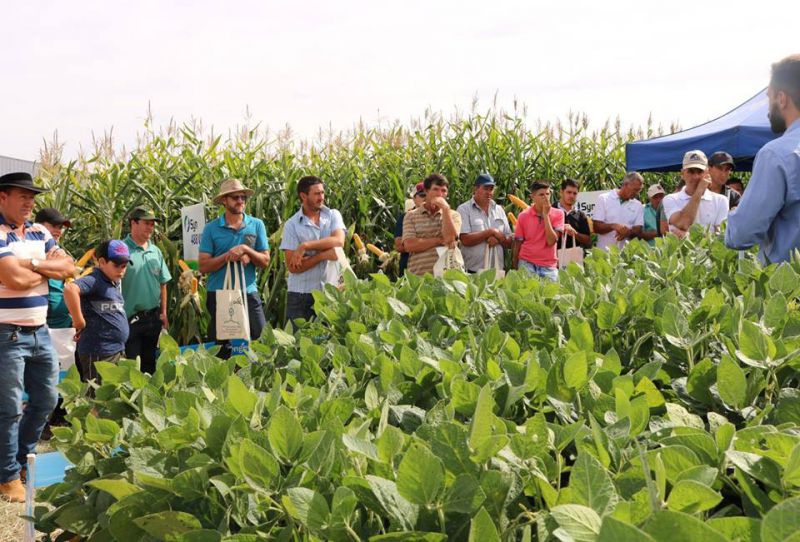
point(144, 288)
point(234, 237)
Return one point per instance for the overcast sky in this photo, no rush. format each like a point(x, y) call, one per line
point(84, 67)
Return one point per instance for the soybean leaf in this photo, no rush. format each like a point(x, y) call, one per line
point(308, 507)
point(614, 530)
point(761, 468)
point(482, 528)
point(285, 434)
point(465, 495)
point(259, 468)
point(170, 523)
point(576, 370)
point(118, 489)
point(692, 497)
point(420, 476)
point(731, 382)
point(591, 485)
point(579, 522)
point(241, 398)
point(394, 504)
point(668, 526)
point(782, 521)
point(743, 529)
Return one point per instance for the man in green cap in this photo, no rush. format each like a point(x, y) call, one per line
point(144, 289)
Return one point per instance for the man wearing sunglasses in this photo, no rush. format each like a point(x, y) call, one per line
point(234, 237)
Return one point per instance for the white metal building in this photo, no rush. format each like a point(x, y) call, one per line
point(11, 165)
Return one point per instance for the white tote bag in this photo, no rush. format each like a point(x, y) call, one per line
point(232, 318)
point(495, 262)
point(63, 341)
point(567, 255)
point(335, 269)
point(449, 258)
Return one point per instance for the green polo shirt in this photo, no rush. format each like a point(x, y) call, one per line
point(141, 285)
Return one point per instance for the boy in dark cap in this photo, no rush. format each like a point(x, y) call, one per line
point(98, 310)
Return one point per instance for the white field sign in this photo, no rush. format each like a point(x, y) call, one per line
point(193, 220)
point(587, 200)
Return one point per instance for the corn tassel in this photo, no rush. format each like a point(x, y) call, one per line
point(518, 202)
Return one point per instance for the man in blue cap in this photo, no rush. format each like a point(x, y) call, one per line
point(485, 232)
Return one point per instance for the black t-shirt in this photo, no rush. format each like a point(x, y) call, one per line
point(578, 220)
point(733, 197)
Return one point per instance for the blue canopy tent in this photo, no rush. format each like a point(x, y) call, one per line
point(741, 132)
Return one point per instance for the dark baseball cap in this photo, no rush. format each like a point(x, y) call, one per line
point(52, 216)
point(419, 190)
point(720, 158)
point(114, 250)
point(142, 213)
point(484, 179)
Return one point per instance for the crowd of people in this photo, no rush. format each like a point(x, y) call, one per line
point(120, 308)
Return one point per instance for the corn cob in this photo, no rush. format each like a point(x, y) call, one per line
point(357, 240)
point(183, 265)
point(85, 258)
point(512, 219)
point(382, 256)
point(518, 202)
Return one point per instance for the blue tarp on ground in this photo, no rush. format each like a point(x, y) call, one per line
point(741, 132)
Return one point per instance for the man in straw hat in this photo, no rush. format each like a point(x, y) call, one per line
point(28, 257)
point(234, 237)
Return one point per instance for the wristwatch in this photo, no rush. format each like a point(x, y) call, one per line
point(34, 264)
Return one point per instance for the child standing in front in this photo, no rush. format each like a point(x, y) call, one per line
point(98, 310)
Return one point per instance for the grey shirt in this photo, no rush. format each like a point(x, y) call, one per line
point(474, 220)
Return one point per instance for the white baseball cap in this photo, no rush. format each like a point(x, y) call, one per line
point(695, 159)
point(655, 189)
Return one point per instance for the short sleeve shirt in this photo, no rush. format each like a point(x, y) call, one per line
point(57, 313)
point(218, 238)
point(712, 212)
point(299, 229)
point(141, 285)
point(531, 232)
point(421, 224)
point(474, 220)
point(103, 309)
point(612, 210)
point(24, 307)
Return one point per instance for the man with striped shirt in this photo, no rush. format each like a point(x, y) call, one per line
point(432, 225)
point(28, 257)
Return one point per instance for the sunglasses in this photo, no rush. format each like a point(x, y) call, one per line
point(239, 197)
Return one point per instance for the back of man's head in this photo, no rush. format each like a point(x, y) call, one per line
point(786, 78)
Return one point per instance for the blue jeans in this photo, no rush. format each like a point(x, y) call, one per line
point(27, 361)
point(539, 270)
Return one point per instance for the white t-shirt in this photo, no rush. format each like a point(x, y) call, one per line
point(712, 212)
point(611, 210)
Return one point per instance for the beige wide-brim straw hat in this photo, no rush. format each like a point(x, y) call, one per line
point(229, 186)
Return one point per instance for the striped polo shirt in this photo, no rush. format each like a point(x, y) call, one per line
point(24, 307)
point(421, 224)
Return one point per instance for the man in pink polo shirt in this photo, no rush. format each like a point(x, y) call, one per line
point(536, 234)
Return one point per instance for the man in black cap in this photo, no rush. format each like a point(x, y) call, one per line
point(28, 257)
point(57, 314)
point(144, 288)
point(720, 165)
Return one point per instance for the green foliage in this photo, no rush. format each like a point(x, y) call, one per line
point(485, 410)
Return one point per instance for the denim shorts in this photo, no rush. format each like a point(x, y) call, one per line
point(540, 270)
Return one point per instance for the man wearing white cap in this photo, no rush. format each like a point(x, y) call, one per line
point(652, 212)
point(695, 204)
